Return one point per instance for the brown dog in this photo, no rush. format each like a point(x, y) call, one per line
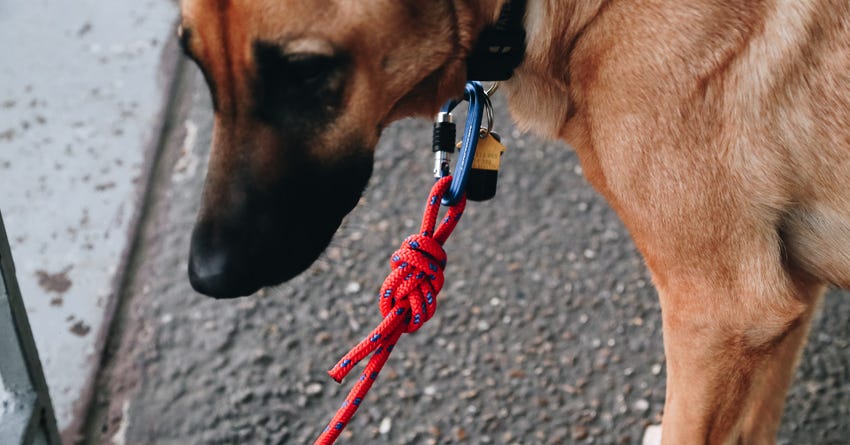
point(719, 130)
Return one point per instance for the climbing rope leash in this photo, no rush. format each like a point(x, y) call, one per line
point(408, 297)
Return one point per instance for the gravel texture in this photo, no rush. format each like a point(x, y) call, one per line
point(548, 330)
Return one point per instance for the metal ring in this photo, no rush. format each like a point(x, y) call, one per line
point(488, 108)
point(492, 89)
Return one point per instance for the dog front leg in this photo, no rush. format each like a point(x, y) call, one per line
point(730, 359)
point(763, 416)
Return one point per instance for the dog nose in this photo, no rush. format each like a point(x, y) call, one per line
point(215, 271)
point(210, 276)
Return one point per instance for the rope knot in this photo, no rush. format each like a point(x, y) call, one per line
point(407, 300)
point(416, 279)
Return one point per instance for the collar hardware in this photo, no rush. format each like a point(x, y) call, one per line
point(501, 46)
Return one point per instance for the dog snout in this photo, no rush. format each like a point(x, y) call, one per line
point(238, 249)
point(249, 237)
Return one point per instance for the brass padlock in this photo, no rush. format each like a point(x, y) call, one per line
point(484, 174)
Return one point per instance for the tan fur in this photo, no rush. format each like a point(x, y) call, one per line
point(718, 130)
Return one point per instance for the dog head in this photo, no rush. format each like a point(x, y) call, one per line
point(301, 91)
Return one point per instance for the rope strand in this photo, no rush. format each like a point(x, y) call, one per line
point(407, 299)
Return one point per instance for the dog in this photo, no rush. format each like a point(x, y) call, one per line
point(716, 129)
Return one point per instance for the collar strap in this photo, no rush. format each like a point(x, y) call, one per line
point(501, 46)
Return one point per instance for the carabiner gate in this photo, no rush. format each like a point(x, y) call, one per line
point(478, 102)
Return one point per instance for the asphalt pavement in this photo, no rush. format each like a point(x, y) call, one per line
point(548, 329)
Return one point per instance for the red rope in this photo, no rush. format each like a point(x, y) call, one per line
point(407, 300)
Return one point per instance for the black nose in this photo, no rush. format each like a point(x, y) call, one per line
point(212, 276)
point(216, 270)
point(228, 260)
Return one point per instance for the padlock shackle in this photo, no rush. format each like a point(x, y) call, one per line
point(477, 98)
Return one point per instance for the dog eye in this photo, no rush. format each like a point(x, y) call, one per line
point(310, 68)
point(299, 69)
point(299, 85)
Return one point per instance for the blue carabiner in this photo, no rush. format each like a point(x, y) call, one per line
point(477, 98)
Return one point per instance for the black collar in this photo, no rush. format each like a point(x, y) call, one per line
point(501, 46)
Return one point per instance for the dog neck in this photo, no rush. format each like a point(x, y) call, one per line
point(538, 92)
point(553, 28)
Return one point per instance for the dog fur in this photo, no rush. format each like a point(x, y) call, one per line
point(719, 131)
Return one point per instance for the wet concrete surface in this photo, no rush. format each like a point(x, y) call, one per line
point(81, 92)
point(548, 329)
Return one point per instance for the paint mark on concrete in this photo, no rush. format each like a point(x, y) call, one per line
point(84, 29)
point(54, 282)
point(105, 186)
point(80, 329)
